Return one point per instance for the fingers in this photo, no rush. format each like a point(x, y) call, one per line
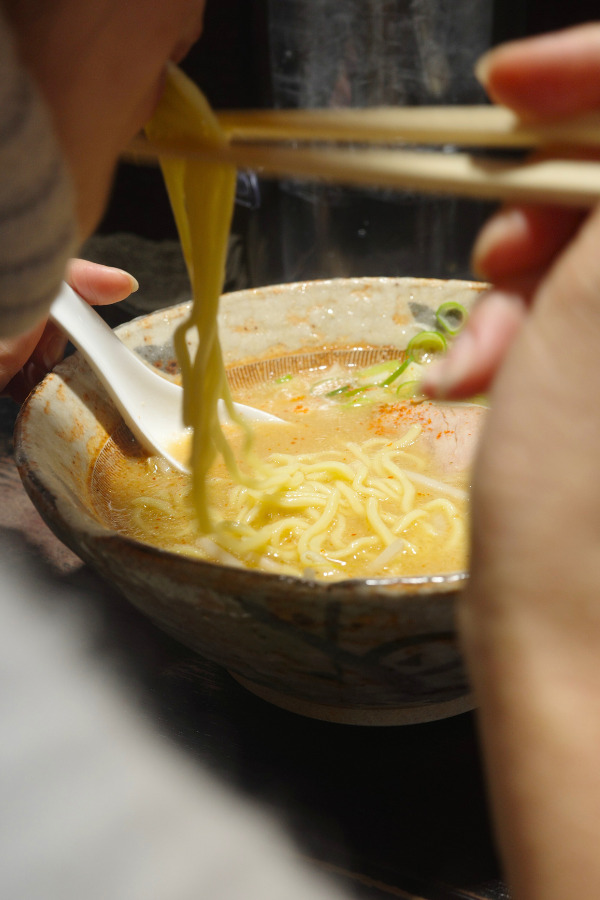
point(548, 76)
point(565, 301)
point(14, 352)
point(514, 251)
point(100, 285)
point(25, 360)
point(42, 349)
point(520, 240)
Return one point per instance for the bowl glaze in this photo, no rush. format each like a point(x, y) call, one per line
point(378, 651)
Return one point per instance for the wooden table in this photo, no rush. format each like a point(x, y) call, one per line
point(393, 812)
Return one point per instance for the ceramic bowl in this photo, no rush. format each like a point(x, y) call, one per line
point(378, 651)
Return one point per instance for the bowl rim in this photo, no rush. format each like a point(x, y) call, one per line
point(46, 503)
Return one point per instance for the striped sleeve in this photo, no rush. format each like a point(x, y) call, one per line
point(37, 219)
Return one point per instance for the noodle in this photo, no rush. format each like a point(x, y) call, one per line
point(202, 196)
point(349, 509)
point(356, 506)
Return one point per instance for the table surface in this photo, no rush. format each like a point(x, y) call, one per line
point(392, 811)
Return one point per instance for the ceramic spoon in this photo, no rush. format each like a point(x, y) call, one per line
point(150, 404)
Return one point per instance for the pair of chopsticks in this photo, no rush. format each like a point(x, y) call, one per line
point(308, 144)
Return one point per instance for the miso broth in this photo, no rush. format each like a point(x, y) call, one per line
point(362, 481)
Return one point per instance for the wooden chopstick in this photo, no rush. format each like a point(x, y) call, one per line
point(556, 181)
point(475, 126)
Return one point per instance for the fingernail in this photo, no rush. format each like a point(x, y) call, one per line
point(482, 68)
point(133, 282)
point(54, 350)
point(443, 377)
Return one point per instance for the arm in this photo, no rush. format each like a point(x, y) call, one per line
point(77, 80)
point(100, 67)
point(530, 622)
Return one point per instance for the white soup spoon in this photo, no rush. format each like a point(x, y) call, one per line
point(151, 405)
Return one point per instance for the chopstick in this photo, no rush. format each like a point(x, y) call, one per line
point(476, 126)
point(570, 182)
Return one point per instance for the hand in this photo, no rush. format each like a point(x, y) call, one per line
point(530, 620)
point(25, 360)
point(556, 75)
point(101, 66)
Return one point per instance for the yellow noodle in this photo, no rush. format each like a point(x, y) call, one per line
point(409, 438)
point(444, 505)
point(407, 520)
point(323, 524)
point(375, 519)
point(358, 453)
point(320, 525)
point(336, 535)
point(289, 513)
point(202, 196)
point(408, 489)
point(434, 484)
point(351, 497)
point(366, 489)
point(356, 546)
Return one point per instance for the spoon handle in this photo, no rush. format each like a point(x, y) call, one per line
point(150, 404)
point(141, 394)
point(95, 339)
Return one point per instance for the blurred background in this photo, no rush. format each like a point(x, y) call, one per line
point(324, 53)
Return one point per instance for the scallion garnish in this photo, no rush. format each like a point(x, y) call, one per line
point(397, 372)
point(409, 390)
point(382, 368)
point(451, 316)
point(360, 390)
point(337, 391)
point(426, 346)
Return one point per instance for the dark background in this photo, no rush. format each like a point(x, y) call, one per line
point(231, 65)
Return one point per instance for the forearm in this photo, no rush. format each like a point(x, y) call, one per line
point(530, 623)
point(37, 219)
point(538, 692)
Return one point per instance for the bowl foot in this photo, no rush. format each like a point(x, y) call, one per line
point(411, 715)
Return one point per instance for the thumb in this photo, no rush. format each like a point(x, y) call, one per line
point(100, 284)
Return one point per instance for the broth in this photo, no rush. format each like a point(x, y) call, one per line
point(364, 485)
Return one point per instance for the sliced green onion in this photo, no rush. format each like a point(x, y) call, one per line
point(348, 391)
point(379, 369)
point(408, 390)
point(283, 378)
point(397, 372)
point(368, 393)
point(325, 385)
point(426, 346)
point(451, 316)
point(360, 390)
point(358, 400)
point(341, 390)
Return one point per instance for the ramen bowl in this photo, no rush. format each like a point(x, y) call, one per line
point(377, 651)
